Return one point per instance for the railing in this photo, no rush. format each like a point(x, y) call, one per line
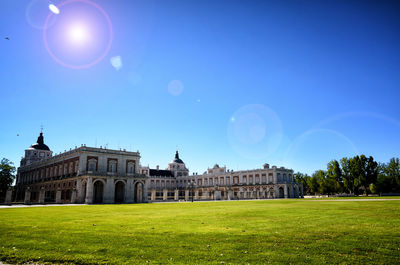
point(99, 173)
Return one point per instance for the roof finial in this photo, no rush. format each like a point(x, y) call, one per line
point(177, 155)
point(41, 128)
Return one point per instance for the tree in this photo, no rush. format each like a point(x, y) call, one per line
point(303, 179)
point(316, 183)
point(333, 182)
point(348, 181)
point(7, 176)
point(389, 178)
point(371, 174)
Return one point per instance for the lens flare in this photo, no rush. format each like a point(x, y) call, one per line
point(78, 34)
point(254, 131)
point(54, 9)
point(82, 35)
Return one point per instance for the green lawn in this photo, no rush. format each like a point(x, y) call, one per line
point(255, 232)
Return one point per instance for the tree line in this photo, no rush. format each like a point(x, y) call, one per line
point(356, 175)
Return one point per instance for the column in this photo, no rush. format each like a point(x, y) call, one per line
point(8, 196)
point(109, 191)
point(79, 190)
point(274, 177)
point(186, 195)
point(285, 191)
point(297, 191)
point(230, 195)
point(129, 191)
point(206, 194)
point(89, 191)
point(217, 195)
point(145, 191)
point(268, 193)
point(27, 199)
point(41, 195)
point(153, 195)
point(196, 194)
point(73, 196)
point(165, 194)
point(258, 194)
point(276, 191)
point(176, 195)
point(58, 196)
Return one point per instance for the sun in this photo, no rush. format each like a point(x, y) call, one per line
point(78, 34)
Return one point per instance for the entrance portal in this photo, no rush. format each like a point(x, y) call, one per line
point(120, 191)
point(98, 192)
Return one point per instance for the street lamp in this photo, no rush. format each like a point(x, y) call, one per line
point(192, 185)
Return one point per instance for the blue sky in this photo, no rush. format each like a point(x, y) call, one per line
point(239, 83)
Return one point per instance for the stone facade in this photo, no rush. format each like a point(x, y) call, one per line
point(99, 175)
point(218, 183)
point(82, 175)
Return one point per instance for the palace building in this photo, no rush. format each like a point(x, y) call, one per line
point(99, 175)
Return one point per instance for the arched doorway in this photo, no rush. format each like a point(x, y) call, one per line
point(98, 192)
point(138, 192)
point(119, 192)
point(281, 192)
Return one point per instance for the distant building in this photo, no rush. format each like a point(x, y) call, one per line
point(100, 175)
point(218, 183)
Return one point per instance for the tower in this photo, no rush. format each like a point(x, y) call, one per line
point(37, 151)
point(178, 167)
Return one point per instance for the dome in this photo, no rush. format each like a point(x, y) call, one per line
point(177, 159)
point(39, 145)
point(216, 166)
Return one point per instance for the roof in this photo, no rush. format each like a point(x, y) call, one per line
point(161, 173)
point(39, 145)
point(177, 159)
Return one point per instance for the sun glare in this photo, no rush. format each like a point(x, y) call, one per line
point(78, 34)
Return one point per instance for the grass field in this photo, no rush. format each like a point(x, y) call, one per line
point(241, 232)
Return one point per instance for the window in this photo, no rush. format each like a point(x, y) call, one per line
point(131, 167)
point(92, 164)
point(264, 178)
point(235, 180)
point(112, 165)
point(41, 154)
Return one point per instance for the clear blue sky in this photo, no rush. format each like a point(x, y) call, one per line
point(291, 83)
